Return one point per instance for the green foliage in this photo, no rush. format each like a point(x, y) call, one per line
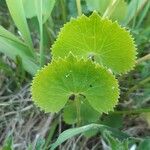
point(114, 143)
point(8, 143)
point(101, 6)
point(78, 78)
point(113, 120)
point(40, 144)
point(70, 113)
point(19, 19)
point(20, 49)
point(5, 68)
point(73, 132)
point(119, 11)
point(133, 8)
point(97, 38)
point(14, 47)
point(78, 84)
point(144, 145)
point(46, 8)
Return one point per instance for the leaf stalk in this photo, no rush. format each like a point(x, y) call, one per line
point(78, 109)
point(79, 8)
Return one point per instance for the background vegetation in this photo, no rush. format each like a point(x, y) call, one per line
point(26, 35)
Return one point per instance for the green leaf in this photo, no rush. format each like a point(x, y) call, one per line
point(113, 120)
point(53, 86)
point(8, 143)
point(6, 34)
point(100, 39)
point(5, 68)
point(134, 7)
point(30, 8)
point(114, 143)
point(17, 13)
point(143, 14)
point(73, 132)
point(120, 11)
point(88, 114)
point(101, 6)
point(144, 145)
point(47, 8)
point(13, 49)
point(38, 8)
point(70, 133)
point(40, 144)
point(97, 5)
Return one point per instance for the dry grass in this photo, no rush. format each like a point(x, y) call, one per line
point(20, 118)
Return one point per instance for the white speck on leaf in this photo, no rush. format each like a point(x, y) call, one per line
point(67, 75)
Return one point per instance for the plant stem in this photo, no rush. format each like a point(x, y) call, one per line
point(79, 8)
point(78, 107)
point(64, 16)
point(135, 15)
point(133, 111)
point(42, 57)
point(108, 12)
point(142, 82)
point(51, 132)
point(40, 20)
point(144, 58)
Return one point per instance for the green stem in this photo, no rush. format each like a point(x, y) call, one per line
point(40, 20)
point(51, 132)
point(138, 85)
point(133, 111)
point(79, 8)
point(78, 108)
point(42, 57)
point(144, 58)
point(110, 8)
point(64, 15)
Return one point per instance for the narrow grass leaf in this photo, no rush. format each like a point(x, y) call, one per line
point(39, 8)
point(8, 35)
point(17, 12)
point(13, 49)
point(143, 14)
point(133, 8)
point(73, 132)
point(47, 7)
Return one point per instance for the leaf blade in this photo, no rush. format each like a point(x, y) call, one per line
point(78, 77)
point(75, 131)
point(17, 13)
point(107, 42)
point(8, 35)
point(12, 49)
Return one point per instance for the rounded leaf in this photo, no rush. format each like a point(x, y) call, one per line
point(98, 38)
point(66, 79)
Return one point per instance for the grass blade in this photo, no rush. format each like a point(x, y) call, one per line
point(8, 143)
point(75, 131)
point(47, 6)
point(6, 34)
point(13, 49)
point(134, 7)
point(143, 14)
point(39, 8)
point(17, 12)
